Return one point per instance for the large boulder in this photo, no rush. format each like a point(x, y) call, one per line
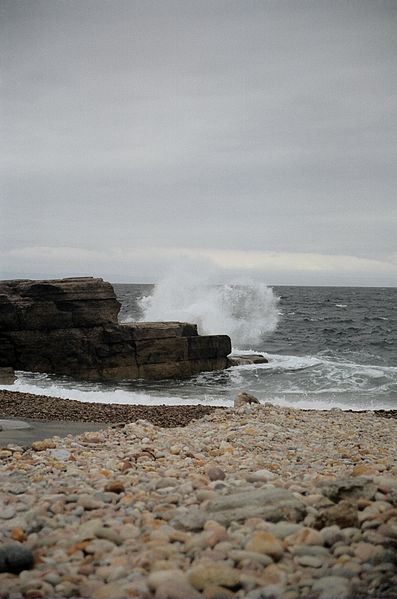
point(70, 327)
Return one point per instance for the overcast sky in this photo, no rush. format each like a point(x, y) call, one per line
point(257, 135)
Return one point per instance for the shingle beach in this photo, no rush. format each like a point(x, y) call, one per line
point(259, 501)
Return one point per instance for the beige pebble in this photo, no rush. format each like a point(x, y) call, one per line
point(217, 592)
point(172, 584)
point(112, 590)
point(366, 551)
point(202, 576)
point(305, 536)
point(267, 543)
point(309, 560)
point(88, 502)
point(5, 453)
point(215, 533)
point(364, 470)
point(115, 486)
point(215, 473)
point(43, 445)
point(274, 575)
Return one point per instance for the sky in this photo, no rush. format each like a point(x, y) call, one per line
point(257, 137)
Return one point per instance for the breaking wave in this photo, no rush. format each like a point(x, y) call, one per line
point(246, 310)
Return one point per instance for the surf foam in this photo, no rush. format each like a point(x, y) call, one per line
point(246, 310)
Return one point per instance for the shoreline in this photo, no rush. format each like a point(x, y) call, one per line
point(47, 408)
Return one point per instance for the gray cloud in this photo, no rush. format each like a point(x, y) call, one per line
point(243, 126)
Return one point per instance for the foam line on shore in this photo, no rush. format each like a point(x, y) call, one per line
point(118, 396)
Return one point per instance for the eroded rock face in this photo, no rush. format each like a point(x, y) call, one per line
point(57, 304)
point(70, 327)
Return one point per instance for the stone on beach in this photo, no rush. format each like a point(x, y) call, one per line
point(217, 509)
point(43, 445)
point(15, 557)
point(265, 542)
point(243, 399)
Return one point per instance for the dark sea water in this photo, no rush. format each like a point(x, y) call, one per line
point(327, 346)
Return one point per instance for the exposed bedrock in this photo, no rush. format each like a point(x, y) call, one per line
point(70, 327)
point(57, 304)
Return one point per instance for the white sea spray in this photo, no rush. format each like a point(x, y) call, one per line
point(244, 309)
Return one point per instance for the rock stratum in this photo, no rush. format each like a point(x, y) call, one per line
point(70, 327)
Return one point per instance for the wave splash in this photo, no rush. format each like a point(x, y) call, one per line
point(244, 309)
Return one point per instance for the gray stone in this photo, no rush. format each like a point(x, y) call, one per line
point(284, 529)
point(244, 359)
point(269, 503)
point(215, 473)
point(60, 454)
point(88, 529)
point(314, 550)
point(172, 584)
point(331, 535)
point(250, 556)
point(103, 532)
point(260, 476)
point(166, 482)
point(352, 487)
point(8, 512)
point(309, 560)
point(333, 587)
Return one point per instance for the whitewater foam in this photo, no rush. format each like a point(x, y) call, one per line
point(246, 310)
point(115, 396)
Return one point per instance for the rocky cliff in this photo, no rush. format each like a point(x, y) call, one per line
point(70, 326)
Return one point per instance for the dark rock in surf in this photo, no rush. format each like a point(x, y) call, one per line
point(246, 359)
point(70, 327)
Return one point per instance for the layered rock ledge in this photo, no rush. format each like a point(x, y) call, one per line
point(70, 327)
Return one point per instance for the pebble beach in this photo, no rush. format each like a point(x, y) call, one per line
point(257, 502)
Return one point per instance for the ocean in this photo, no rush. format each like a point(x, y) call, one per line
point(328, 347)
